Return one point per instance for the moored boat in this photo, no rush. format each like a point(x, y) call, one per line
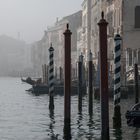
point(58, 89)
point(133, 115)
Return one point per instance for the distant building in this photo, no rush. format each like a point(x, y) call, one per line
point(14, 57)
point(39, 54)
point(86, 27)
point(80, 43)
point(54, 35)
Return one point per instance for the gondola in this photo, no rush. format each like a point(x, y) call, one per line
point(133, 115)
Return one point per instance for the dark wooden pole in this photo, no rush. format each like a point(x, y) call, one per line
point(67, 75)
point(80, 80)
point(136, 83)
point(104, 79)
point(90, 85)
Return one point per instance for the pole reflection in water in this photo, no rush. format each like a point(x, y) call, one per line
point(24, 116)
point(135, 134)
point(51, 126)
point(118, 133)
point(90, 125)
point(79, 125)
point(67, 131)
point(79, 121)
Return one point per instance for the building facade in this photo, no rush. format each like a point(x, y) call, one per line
point(54, 35)
point(123, 18)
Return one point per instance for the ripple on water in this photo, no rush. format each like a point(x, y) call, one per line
point(25, 116)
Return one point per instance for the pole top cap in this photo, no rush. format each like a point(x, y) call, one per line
point(81, 57)
point(117, 37)
point(51, 48)
point(67, 31)
point(102, 20)
point(102, 15)
point(90, 56)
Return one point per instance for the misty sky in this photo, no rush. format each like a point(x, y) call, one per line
point(31, 17)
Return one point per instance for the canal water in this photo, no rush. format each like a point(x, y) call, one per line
point(24, 116)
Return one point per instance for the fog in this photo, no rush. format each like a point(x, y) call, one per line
point(31, 17)
point(23, 22)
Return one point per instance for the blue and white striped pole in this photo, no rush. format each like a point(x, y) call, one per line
point(51, 78)
point(117, 81)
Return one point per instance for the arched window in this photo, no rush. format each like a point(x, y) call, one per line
point(137, 17)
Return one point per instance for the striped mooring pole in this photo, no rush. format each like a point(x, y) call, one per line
point(117, 82)
point(51, 78)
point(80, 82)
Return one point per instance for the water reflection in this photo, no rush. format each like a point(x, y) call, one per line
point(25, 116)
point(90, 125)
point(79, 125)
point(53, 136)
point(135, 134)
point(117, 133)
point(67, 130)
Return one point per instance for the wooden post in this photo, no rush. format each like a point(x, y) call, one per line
point(80, 80)
point(67, 77)
point(104, 79)
point(90, 85)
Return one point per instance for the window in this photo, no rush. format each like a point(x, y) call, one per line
point(137, 17)
point(130, 57)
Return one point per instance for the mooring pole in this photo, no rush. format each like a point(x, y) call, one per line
point(90, 85)
point(117, 82)
point(136, 82)
point(104, 79)
point(67, 80)
point(80, 80)
point(51, 78)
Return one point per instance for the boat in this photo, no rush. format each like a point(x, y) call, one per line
point(133, 115)
point(44, 89)
point(30, 81)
